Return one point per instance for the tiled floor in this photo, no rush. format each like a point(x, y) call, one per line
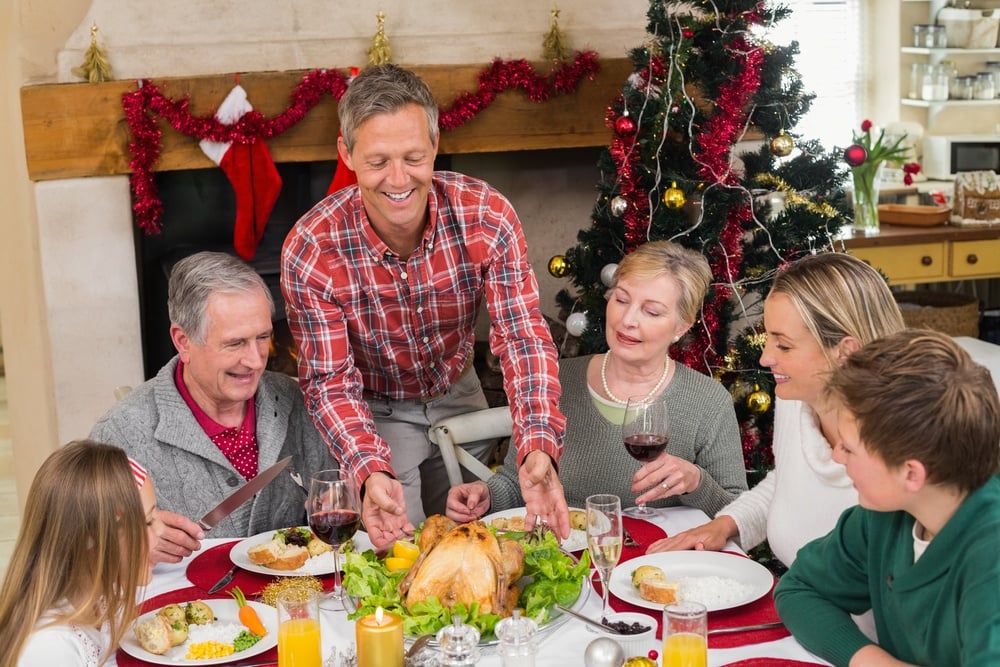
point(8, 496)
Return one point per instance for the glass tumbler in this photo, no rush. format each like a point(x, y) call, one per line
point(298, 628)
point(685, 635)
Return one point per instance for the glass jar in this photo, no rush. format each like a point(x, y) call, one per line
point(937, 37)
point(935, 85)
point(965, 87)
point(917, 72)
point(985, 86)
point(994, 67)
point(920, 34)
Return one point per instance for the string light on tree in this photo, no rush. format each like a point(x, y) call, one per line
point(576, 324)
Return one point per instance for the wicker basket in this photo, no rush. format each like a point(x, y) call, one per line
point(953, 314)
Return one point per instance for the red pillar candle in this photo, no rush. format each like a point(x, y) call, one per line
point(380, 640)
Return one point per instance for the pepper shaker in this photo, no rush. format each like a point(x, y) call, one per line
point(517, 641)
point(459, 644)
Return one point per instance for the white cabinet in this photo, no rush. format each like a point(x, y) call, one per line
point(967, 60)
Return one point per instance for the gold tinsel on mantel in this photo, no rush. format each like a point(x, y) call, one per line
point(95, 67)
point(380, 53)
point(554, 45)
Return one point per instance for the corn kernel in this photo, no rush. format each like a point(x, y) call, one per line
point(208, 650)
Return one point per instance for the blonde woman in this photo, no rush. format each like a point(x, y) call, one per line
point(83, 549)
point(820, 309)
point(654, 299)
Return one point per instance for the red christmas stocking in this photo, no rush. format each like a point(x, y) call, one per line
point(251, 172)
point(341, 178)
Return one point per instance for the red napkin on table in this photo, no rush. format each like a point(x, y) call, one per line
point(752, 613)
point(771, 662)
point(182, 595)
point(207, 568)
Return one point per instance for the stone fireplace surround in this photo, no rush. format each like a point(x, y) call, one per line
point(84, 236)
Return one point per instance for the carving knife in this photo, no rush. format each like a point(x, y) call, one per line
point(241, 495)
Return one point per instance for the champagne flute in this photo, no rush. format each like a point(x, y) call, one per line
point(604, 538)
point(334, 514)
point(646, 432)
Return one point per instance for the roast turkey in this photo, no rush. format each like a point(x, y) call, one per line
point(464, 563)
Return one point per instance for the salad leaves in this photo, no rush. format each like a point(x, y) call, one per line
point(552, 576)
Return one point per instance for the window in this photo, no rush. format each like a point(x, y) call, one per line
point(830, 37)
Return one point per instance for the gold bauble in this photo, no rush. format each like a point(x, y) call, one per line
point(558, 266)
point(782, 144)
point(639, 661)
point(674, 197)
point(759, 401)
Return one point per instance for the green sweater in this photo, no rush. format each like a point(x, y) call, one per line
point(943, 610)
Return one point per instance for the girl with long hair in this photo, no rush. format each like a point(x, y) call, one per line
point(69, 594)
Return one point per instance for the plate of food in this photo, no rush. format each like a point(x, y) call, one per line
point(290, 552)
point(186, 633)
point(715, 579)
point(513, 521)
point(470, 571)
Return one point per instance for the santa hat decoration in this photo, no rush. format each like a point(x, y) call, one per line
point(251, 172)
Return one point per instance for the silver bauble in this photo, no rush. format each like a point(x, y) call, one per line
point(618, 206)
point(604, 652)
point(608, 274)
point(576, 324)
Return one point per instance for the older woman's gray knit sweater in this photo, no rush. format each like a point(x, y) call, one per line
point(703, 430)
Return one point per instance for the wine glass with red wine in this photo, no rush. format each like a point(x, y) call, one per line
point(646, 432)
point(334, 515)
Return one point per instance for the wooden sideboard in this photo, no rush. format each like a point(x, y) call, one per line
point(914, 255)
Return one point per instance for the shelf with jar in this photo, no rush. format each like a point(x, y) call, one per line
point(948, 44)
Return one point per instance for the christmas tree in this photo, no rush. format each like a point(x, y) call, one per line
point(706, 80)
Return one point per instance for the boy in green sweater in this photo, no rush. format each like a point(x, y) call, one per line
point(920, 437)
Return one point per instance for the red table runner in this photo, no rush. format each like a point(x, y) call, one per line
point(758, 611)
point(184, 595)
point(207, 568)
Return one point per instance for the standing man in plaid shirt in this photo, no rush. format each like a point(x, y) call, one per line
point(383, 282)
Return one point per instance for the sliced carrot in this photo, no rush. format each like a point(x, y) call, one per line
point(247, 614)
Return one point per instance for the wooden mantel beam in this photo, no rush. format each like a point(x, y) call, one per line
point(79, 129)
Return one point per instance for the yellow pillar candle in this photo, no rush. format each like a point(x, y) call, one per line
point(380, 640)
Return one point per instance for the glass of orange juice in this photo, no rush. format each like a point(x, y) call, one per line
point(685, 635)
point(298, 628)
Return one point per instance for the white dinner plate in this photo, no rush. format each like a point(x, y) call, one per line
point(315, 565)
point(680, 565)
point(577, 540)
point(224, 610)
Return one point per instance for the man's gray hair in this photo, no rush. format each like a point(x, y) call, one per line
point(382, 89)
point(196, 277)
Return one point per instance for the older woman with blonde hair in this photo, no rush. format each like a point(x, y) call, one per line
point(69, 594)
point(655, 297)
point(819, 310)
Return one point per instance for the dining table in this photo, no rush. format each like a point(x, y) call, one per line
point(564, 645)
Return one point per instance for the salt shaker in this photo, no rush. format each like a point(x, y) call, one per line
point(517, 641)
point(459, 644)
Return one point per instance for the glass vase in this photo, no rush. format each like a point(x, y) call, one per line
point(867, 183)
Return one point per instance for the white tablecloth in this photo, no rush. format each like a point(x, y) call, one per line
point(556, 649)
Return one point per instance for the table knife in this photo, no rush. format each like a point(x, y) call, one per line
point(241, 495)
point(746, 628)
point(226, 578)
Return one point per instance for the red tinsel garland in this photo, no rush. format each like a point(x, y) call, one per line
point(142, 105)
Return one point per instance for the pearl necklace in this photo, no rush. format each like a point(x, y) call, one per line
point(607, 390)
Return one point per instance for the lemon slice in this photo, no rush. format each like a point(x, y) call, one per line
point(395, 564)
point(404, 549)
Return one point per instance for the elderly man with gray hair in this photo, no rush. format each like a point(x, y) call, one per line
point(213, 417)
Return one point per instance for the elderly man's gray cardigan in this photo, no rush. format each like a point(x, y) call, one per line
point(157, 429)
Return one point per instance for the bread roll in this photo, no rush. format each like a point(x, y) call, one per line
point(647, 573)
point(153, 634)
point(265, 553)
point(578, 520)
point(278, 555)
point(660, 591)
